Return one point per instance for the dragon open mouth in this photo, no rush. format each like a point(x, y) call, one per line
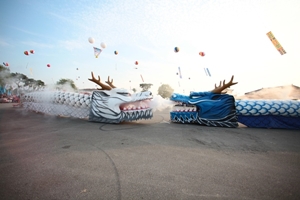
point(137, 105)
point(183, 107)
point(136, 110)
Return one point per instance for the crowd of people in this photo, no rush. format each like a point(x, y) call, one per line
point(4, 98)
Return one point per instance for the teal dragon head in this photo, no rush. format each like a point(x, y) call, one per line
point(212, 108)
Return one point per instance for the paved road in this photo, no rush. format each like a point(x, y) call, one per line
point(44, 157)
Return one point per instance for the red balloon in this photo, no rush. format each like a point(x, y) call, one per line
point(201, 53)
point(26, 53)
point(32, 51)
point(48, 65)
point(136, 62)
point(6, 64)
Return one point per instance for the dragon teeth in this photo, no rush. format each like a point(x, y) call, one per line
point(137, 115)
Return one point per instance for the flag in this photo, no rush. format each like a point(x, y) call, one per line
point(97, 51)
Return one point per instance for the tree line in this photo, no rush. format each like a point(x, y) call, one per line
point(21, 80)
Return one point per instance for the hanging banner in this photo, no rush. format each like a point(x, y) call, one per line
point(207, 72)
point(276, 43)
point(179, 72)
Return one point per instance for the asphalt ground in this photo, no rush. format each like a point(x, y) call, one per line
point(44, 157)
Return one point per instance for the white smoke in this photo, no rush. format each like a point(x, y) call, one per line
point(159, 103)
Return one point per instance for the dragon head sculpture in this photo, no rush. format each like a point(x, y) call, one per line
point(114, 105)
point(214, 108)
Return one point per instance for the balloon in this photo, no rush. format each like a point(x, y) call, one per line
point(91, 40)
point(116, 52)
point(32, 51)
point(176, 49)
point(201, 53)
point(103, 45)
point(48, 65)
point(136, 63)
point(76, 68)
point(6, 64)
point(26, 53)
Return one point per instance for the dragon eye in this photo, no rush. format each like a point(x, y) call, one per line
point(124, 94)
point(174, 95)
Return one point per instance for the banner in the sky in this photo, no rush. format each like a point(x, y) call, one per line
point(179, 72)
point(97, 51)
point(207, 72)
point(276, 43)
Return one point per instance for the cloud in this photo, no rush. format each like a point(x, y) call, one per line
point(71, 44)
point(28, 32)
point(3, 43)
point(38, 44)
point(70, 20)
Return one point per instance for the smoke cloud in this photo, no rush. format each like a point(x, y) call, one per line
point(158, 103)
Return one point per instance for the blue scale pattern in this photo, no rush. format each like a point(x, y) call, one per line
point(288, 108)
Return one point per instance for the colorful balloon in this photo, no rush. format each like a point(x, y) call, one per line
point(6, 64)
point(201, 53)
point(103, 45)
point(116, 52)
point(48, 65)
point(32, 51)
point(26, 53)
point(136, 63)
point(176, 49)
point(91, 40)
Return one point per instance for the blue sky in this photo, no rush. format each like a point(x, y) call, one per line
point(232, 34)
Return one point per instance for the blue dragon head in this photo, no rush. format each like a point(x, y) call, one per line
point(212, 108)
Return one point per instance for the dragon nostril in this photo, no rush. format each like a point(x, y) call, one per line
point(150, 93)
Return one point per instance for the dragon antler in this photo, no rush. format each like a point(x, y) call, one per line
point(98, 82)
point(110, 83)
point(220, 88)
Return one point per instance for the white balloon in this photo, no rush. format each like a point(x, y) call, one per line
point(103, 45)
point(91, 40)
